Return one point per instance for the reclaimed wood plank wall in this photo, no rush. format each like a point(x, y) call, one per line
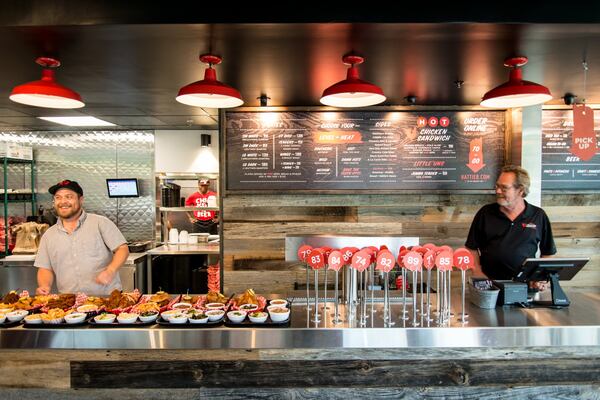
point(255, 226)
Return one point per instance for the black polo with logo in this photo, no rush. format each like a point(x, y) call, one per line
point(505, 244)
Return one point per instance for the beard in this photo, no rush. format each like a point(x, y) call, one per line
point(67, 212)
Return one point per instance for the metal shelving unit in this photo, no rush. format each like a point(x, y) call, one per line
point(6, 161)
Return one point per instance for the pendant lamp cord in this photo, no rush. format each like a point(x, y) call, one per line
point(585, 70)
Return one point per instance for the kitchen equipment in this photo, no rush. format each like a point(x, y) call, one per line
point(170, 195)
point(192, 239)
point(173, 236)
point(183, 237)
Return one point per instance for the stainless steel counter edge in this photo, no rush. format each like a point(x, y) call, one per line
point(293, 338)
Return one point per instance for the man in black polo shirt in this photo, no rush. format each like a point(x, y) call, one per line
point(505, 233)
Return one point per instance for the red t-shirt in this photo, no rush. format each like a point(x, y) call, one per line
point(201, 200)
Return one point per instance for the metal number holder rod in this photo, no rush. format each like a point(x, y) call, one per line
point(316, 318)
point(450, 313)
point(307, 287)
point(429, 319)
point(437, 292)
point(414, 287)
point(363, 304)
point(404, 311)
point(421, 294)
point(372, 284)
point(442, 296)
point(336, 317)
point(325, 308)
point(463, 317)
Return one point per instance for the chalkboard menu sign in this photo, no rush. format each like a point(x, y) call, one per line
point(563, 166)
point(368, 150)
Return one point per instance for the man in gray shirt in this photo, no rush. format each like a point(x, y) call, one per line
point(84, 251)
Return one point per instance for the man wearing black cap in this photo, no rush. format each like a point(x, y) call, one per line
point(84, 251)
point(205, 221)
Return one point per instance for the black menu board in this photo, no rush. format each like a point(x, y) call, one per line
point(561, 169)
point(392, 150)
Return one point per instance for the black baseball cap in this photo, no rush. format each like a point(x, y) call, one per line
point(66, 184)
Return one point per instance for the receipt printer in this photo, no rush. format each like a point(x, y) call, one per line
point(511, 292)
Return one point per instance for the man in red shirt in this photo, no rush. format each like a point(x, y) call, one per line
point(205, 221)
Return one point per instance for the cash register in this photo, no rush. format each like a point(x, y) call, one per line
point(553, 270)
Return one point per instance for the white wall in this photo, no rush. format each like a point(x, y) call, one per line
point(180, 151)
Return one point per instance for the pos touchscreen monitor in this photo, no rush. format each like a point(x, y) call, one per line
point(119, 187)
point(552, 269)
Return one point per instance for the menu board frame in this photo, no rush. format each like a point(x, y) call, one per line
point(503, 153)
point(577, 186)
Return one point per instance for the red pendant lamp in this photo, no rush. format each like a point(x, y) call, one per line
point(209, 92)
point(516, 92)
point(46, 92)
point(352, 91)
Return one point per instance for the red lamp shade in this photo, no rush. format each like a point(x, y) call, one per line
point(209, 92)
point(46, 92)
point(352, 91)
point(516, 92)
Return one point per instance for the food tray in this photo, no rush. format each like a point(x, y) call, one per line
point(188, 325)
point(246, 323)
point(62, 325)
point(137, 324)
point(146, 298)
point(8, 324)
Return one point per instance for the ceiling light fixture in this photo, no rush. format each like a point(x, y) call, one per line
point(516, 92)
point(46, 92)
point(352, 91)
point(209, 92)
point(78, 121)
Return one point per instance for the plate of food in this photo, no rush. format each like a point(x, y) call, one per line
point(55, 318)
point(276, 313)
point(191, 318)
point(123, 320)
point(248, 300)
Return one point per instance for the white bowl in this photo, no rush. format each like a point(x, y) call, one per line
point(259, 319)
point(248, 307)
point(148, 318)
point(75, 318)
point(181, 306)
point(198, 321)
point(53, 321)
point(33, 319)
point(16, 315)
point(215, 306)
point(179, 318)
point(2, 318)
point(6, 310)
point(215, 315)
point(86, 308)
point(236, 316)
point(105, 318)
point(167, 314)
point(279, 303)
point(127, 318)
point(279, 317)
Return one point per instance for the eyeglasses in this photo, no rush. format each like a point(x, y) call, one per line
point(505, 188)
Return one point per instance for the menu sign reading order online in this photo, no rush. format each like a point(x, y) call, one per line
point(328, 150)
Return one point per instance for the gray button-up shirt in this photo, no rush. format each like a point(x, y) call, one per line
point(77, 258)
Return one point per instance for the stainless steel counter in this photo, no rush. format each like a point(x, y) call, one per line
point(578, 325)
point(26, 260)
point(184, 249)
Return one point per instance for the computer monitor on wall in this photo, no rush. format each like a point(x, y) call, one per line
point(122, 187)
